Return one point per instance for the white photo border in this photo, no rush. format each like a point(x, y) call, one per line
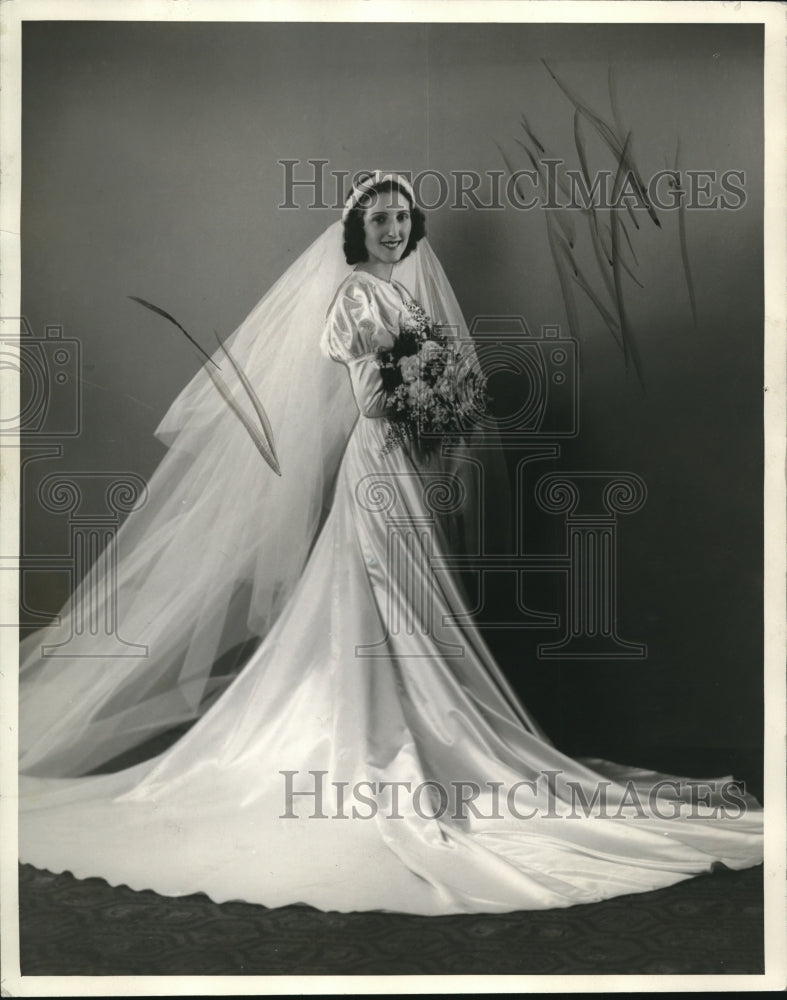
point(772, 16)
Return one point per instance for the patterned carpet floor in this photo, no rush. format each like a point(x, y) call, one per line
point(709, 924)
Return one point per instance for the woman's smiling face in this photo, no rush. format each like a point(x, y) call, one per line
point(386, 226)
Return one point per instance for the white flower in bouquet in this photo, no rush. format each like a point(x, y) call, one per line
point(419, 392)
point(410, 367)
point(430, 351)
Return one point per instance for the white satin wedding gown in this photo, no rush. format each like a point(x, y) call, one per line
point(364, 680)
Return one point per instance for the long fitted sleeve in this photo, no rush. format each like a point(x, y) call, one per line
point(357, 323)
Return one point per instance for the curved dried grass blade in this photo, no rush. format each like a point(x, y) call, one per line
point(633, 217)
point(629, 345)
point(548, 183)
point(579, 145)
point(263, 445)
point(684, 249)
point(610, 139)
point(565, 287)
point(623, 263)
point(259, 409)
point(258, 439)
point(583, 283)
point(510, 167)
point(599, 249)
point(604, 261)
point(533, 138)
point(605, 314)
point(167, 316)
point(628, 240)
point(613, 103)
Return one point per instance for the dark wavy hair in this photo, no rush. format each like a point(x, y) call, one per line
point(354, 236)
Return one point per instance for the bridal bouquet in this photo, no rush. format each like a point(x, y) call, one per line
point(433, 385)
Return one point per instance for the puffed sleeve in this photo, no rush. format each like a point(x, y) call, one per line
point(352, 327)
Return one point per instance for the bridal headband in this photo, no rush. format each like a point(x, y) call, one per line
point(369, 183)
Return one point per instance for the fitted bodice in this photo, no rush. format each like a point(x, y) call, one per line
point(364, 316)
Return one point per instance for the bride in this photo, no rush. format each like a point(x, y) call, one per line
point(369, 754)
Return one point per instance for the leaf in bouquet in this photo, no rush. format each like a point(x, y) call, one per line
point(391, 378)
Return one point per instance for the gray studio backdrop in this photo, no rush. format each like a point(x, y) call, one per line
point(151, 168)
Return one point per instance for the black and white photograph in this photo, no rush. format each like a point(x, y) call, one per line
point(392, 445)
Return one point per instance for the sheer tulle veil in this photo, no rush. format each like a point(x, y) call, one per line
point(205, 565)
